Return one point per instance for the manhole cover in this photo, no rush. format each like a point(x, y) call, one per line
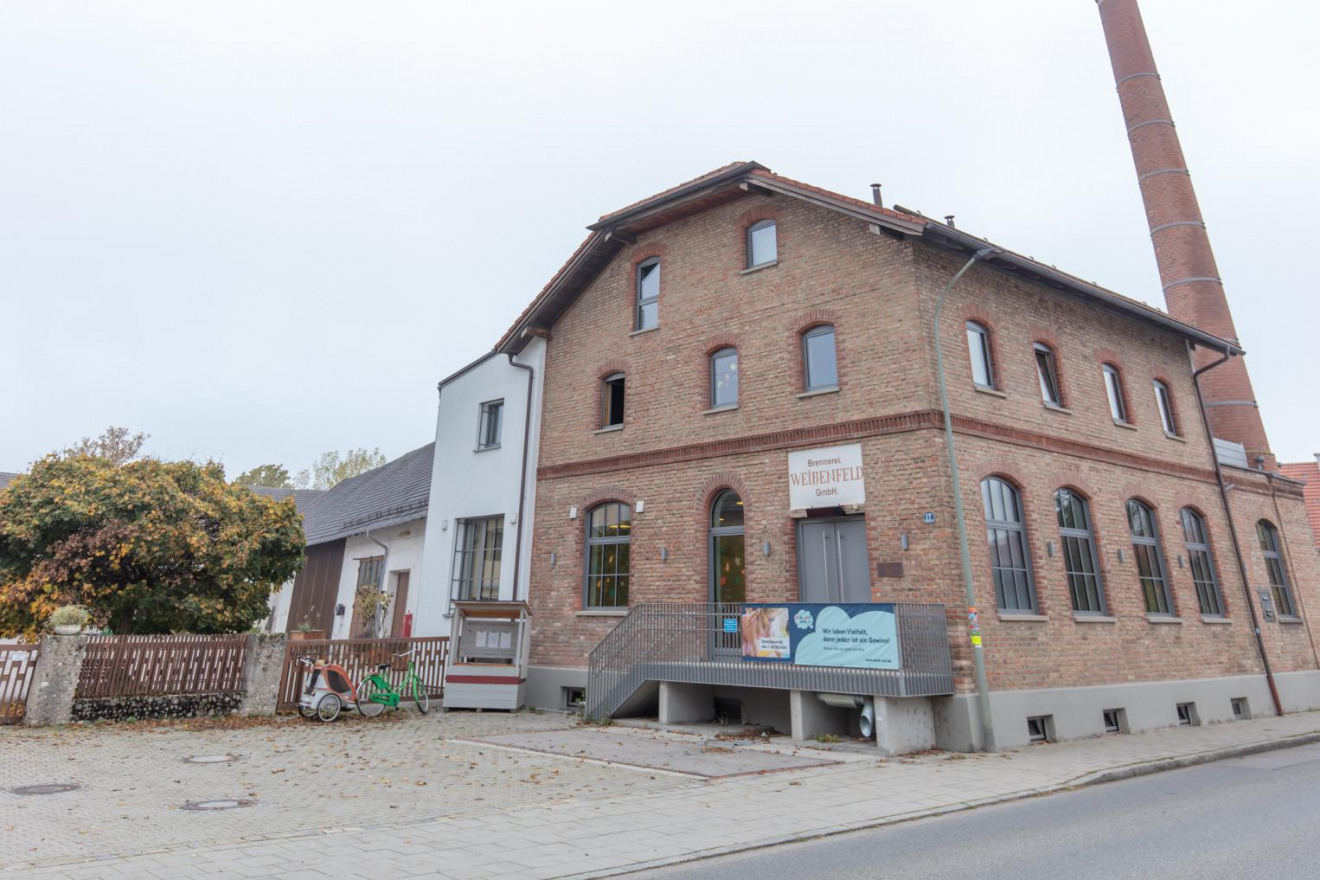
point(210, 759)
point(218, 804)
point(47, 788)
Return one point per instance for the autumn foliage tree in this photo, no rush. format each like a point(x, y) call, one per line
point(146, 546)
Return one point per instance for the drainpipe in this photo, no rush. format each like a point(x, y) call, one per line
point(522, 486)
point(978, 653)
point(1232, 530)
point(384, 568)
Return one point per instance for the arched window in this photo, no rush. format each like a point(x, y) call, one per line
point(728, 565)
point(978, 348)
point(819, 360)
point(613, 388)
point(1150, 558)
point(724, 378)
point(1270, 549)
point(648, 294)
point(1047, 370)
point(1010, 563)
point(1164, 400)
point(1203, 567)
point(1079, 554)
point(1114, 389)
point(609, 539)
point(762, 244)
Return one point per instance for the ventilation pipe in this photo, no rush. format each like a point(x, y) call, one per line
point(852, 701)
point(876, 197)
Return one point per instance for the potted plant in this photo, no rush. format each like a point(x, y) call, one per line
point(305, 631)
point(68, 620)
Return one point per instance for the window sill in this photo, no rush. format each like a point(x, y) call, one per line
point(603, 612)
point(645, 330)
point(1291, 621)
point(608, 429)
point(1175, 437)
point(1162, 618)
point(1216, 619)
point(1079, 617)
point(1125, 425)
point(487, 448)
point(1054, 407)
point(833, 389)
point(719, 409)
point(758, 268)
point(1022, 617)
point(993, 392)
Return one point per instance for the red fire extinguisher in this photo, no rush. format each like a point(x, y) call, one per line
point(407, 625)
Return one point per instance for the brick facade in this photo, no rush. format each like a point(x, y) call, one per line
point(673, 455)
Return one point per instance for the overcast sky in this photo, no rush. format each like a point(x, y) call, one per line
point(259, 231)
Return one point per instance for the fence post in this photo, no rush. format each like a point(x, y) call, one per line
point(262, 668)
point(59, 663)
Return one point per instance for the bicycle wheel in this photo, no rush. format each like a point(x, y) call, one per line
point(305, 711)
point(366, 706)
point(421, 696)
point(328, 708)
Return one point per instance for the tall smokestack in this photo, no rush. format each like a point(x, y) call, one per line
point(1192, 288)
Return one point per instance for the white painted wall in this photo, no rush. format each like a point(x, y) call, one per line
point(466, 483)
point(280, 601)
point(406, 543)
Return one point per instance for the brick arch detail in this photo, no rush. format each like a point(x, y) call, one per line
point(716, 341)
point(974, 312)
point(999, 467)
point(804, 321)
point(718, 483)
point(757, 214)
point(643, 252)
point(610, 367)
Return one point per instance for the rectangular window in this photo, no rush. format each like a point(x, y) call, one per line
point(612, 402)
point(1114, 388)
point(370, 570)
point(724, 378)
point(1048, 372)
point(762, 244)
point(978, 346)
point(819, 356)
point(490, 424)
point(1165, 405)
point(478, 546)
point(648, 294)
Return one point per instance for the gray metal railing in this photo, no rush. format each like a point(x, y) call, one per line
point(688, 642)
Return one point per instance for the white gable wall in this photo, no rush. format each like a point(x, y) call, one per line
point(467, 483)
point(406, 543)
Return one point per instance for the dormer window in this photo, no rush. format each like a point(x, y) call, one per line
point(648, 294)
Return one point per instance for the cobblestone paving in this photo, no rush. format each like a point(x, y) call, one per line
point(300, 777)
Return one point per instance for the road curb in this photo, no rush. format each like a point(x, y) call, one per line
point(1116, 774)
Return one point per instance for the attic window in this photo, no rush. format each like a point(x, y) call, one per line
point(648, 294)
point(762, 244)
point(612, 401)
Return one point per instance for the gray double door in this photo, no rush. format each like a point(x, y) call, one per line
point(832, 561)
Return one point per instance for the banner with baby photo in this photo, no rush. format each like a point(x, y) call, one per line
point(856, 636)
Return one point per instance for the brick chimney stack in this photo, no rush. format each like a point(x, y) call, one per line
point(1192, 288)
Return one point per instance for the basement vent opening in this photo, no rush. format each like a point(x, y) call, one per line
point(1040, 728)
point(1187, 716)
point(728, 711)
point(1241, 708)
point(1115, 720)
point(574, 698)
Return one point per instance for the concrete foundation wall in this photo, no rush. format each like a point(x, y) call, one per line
point(904, 725)
point(1298, 691)
point(545, 685)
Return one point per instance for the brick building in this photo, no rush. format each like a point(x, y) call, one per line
point(699, 338)
point(1308, 473)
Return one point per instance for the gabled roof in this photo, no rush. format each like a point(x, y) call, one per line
point(301, 497)
point(391, 494)
point(615, 230)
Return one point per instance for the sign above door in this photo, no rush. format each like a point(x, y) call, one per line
point(829, 477)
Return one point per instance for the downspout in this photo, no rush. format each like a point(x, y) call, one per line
point(384, 569)
point(1232, 531)
point(522, 485)
point(978, 653)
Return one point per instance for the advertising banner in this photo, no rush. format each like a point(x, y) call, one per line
point(853, 635)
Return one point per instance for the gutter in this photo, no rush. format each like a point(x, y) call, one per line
point(522, 485)
point(1232, 528)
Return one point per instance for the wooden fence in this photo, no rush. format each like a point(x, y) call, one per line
point(17, 663)
point(360, 658)
point(155, 666)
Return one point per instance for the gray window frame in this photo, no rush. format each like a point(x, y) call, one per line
point(716, 532)
point(752, 262)
point(623, 537)
point(811, 333)
point(607, 408)
point(1148, 551)
point(980, 349)
point(1003, 532)
point(1164, 404)
point(1272, 551)
point(715, 357)
point(1196, 539)
point(1079, 547)
point(1113, 379)
point(477, 564)
point(639, 319)
point(1047, 372)
point(486, 439)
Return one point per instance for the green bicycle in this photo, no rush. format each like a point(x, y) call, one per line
point(375, 692)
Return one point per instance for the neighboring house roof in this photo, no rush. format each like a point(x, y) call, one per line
point(615, 230)
point(7, 478)
point(1309, 473)
point(393, 493)
point(301, 497)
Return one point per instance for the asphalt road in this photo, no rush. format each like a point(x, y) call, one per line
point(1257, 816)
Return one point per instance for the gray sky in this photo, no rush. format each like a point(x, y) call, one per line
point(259, 231)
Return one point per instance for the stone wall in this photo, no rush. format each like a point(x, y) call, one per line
point(142, 708)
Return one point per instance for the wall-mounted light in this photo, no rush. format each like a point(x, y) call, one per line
point(903, 540)
point(1180, 560)
point(664, 554)
point(1121, 557)
point(444, 525)
point(765, 548)
point(554, 558)
point(641, 506)
point(572, 513)
point(1049, 549)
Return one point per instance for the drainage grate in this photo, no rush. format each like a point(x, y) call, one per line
point(210, 759)
point(46, 788)
point(217, 804)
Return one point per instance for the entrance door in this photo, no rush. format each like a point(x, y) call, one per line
point(399, 602)
point(832, 561)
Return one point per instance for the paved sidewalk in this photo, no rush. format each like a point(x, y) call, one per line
point(680, 819)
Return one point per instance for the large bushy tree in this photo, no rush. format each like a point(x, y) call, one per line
point(273, 476)
point(147, 546)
